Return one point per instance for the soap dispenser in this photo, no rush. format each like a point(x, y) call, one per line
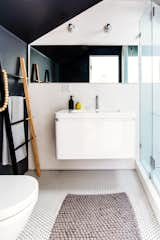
point(71, 103)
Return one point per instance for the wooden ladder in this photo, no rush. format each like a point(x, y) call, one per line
point(30, 118)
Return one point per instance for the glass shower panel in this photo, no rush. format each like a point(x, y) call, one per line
point(156, 95)
point(146, 90)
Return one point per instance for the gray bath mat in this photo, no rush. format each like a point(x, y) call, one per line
point(102, 217)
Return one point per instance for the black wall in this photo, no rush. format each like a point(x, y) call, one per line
point(44, 63)
point(11, 48)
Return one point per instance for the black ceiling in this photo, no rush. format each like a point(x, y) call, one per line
point(30, 19)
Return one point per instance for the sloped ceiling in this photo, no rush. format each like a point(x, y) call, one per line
point(30, 19)
point(123, 15)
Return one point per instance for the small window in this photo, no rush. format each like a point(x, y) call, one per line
point(104, 68)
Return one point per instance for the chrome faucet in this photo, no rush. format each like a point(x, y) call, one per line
point(97, 104)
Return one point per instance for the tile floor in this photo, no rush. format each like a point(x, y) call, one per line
point(54, 185)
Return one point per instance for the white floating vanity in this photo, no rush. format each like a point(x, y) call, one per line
point(94, 135)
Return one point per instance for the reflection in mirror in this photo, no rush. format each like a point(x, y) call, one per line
point(84, 64)
point(102, 74)
point(132, 59)
point(46, 76)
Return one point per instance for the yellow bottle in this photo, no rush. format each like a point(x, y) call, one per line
point(78, 106)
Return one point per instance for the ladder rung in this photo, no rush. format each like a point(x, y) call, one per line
point(15, 76)
point(29, 118)
point(26, 99)
point(20, 121)
point(21, 145)
point(33, 137)
point(10, 75)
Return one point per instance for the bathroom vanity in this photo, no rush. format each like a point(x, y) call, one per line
point(94, 135)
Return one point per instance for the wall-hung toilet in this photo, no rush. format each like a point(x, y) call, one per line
point(18, 196)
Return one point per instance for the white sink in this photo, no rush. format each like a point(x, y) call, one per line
point(94, 114)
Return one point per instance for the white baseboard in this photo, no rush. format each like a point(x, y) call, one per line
point(152, 194)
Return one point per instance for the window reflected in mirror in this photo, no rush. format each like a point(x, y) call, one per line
point(104, 69)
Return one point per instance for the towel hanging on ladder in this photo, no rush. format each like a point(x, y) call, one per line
point(16, 113)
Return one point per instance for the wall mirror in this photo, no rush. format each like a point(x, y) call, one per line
point(84, 64)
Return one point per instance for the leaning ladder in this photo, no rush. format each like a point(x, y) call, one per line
point(30, 118)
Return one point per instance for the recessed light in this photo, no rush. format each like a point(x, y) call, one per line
point(107, 27)
point(70, 27)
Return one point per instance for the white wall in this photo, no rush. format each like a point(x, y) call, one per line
point(124, 17)
point(46, 99)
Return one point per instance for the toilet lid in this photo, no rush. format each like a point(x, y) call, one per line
point(16, 194)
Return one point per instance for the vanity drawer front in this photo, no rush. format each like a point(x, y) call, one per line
point(95, 138)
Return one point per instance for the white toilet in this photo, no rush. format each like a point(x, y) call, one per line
point(18, 196)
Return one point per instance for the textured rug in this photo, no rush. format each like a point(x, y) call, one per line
point(102, 217)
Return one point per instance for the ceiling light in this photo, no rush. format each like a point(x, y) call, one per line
point(107, 27)
point(70, 27)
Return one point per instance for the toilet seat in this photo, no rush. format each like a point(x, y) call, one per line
point(17, 193)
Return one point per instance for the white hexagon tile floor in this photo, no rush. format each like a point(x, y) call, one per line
point(55, 185)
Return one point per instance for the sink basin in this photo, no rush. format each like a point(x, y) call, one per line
point(94, 114)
